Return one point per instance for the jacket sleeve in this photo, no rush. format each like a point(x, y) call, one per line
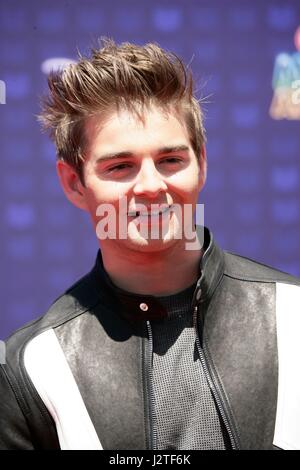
point(14, 432)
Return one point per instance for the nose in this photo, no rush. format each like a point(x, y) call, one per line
point(149, 181)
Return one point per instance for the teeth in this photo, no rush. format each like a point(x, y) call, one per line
point(148, 214)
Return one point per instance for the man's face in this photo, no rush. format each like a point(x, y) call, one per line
point(141, 163)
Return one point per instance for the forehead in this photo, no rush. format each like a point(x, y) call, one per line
point(124, 130)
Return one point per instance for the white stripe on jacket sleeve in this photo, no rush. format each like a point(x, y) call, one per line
point(52, 377)
point(287, 427)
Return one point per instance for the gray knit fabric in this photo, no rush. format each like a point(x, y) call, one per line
point(186, 416)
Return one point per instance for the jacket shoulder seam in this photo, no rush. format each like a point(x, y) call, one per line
point(59, 321)
point(261, 279)
point(273, 276)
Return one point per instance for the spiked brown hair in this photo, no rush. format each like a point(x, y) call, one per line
point(113, 77)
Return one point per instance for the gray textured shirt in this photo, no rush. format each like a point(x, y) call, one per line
point(186, 415)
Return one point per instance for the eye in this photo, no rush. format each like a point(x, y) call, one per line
point(171, 160)
point(121, 166)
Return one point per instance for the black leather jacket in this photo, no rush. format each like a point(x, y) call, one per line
point(105, 340)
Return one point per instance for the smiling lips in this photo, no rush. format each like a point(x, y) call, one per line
point(149, 212)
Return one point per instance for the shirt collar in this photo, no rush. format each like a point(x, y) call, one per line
point(137, 307)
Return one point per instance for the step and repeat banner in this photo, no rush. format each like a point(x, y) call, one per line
point(246, 62)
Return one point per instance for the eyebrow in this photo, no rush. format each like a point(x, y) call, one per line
point(128, 154)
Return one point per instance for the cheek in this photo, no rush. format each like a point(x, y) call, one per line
point(187, 182)
point(104, 191)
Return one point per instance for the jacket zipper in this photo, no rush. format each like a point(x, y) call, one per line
point(150, 390)
point(214, 387)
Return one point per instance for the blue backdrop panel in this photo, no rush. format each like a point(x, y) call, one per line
point(252, 195)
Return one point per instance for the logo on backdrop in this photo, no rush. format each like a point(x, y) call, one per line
point(54, 64)
point(286, 84)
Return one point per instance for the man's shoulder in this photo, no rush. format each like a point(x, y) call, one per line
point(246, 269)
point(77, 299)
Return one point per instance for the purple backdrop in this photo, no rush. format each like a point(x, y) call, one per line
point(252, 196)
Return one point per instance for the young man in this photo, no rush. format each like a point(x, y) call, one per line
point(168, 343)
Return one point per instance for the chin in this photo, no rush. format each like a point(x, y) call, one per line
point(150, 246)
point(139, 241)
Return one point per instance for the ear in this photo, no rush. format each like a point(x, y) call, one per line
point(71, 184)
point(203, 166)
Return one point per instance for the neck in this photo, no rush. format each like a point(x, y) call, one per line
point(161, 273)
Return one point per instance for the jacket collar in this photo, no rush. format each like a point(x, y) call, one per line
point(211, 268)
point(137, 307)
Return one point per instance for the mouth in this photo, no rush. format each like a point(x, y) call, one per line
point(151, 213)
